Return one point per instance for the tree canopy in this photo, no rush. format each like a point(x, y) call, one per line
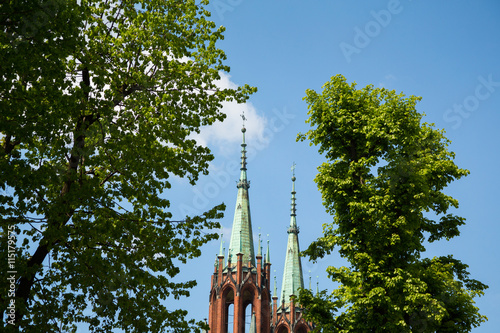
point(98, 100)
point(383, 183)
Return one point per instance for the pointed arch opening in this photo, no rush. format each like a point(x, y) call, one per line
point(248, 316)
point(248, 295)
point(282, 329)
point(229, 310)
point(229, 318)
point(301, 329)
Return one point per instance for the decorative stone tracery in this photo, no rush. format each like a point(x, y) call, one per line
point(242, 286)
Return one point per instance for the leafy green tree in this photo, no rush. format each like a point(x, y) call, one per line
point(98, 100)
point(383, 183)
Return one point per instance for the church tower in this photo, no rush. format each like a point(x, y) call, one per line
point(243, 279)
point(288, 316)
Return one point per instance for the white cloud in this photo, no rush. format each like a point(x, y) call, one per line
point(226, 136)
point(388, 80)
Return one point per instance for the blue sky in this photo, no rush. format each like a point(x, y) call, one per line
point(447, 52)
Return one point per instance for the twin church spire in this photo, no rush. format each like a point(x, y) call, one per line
point(243, 279)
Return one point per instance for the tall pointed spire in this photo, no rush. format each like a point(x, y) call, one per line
point(241, 235)
point(292, 274)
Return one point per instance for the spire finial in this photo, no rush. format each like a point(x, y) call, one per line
point(317, 285)
point(243, 153)
point(243, 118)
point(275, 290)
point(293, 210)
point(221, 250)
point(310, 288)
point(260, 247)
point(268, 253)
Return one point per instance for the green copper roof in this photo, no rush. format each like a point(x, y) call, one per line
point(241, 235)
point(292, 274)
